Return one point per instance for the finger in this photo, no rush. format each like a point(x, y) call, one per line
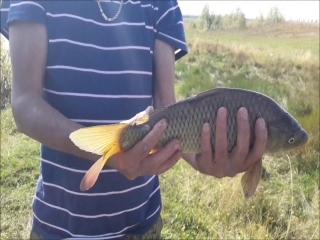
point(204, 161)
point(143, 147)
point(240, 151)
point(169, 163)
point(206, 150)
point(150, 164)
point(221, 148)
point(260, 143)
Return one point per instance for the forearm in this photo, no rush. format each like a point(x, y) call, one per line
point(35, 117)
point(38, 120)
point(164, 81)
point(163, 84)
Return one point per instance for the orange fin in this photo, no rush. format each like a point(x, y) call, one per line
point(98, 139)
point(251, 179)
point(92, 175)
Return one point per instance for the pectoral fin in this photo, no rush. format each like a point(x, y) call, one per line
point(251, 179)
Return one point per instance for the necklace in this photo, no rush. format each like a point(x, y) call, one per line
point(104, 16)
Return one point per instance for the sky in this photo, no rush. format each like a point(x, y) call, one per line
point(292, 10)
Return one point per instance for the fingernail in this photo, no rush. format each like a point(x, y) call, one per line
point(163, 123)
point(176, 146)
point(222, 112)
point(261, 124)
point(244, 113)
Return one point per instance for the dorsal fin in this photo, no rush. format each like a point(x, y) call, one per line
point(210, 92)
point(146, 118)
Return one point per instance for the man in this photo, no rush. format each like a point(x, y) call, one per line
point(84, 63)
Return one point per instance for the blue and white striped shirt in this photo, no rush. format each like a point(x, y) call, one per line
point(97, 72)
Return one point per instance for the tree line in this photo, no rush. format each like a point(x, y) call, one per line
point(235, 20)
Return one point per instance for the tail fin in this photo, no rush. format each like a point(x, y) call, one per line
point(102, 140)
point(98, 139)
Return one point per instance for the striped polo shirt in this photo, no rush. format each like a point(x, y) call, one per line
point(97, 72)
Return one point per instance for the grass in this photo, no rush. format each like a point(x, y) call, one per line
point(298, 38)
point(19, 173)
point(281, 61)
point(286, 204)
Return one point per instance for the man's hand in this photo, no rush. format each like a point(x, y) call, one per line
point(138, 162)
point(221, 164)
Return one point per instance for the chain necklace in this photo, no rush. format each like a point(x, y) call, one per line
point(104, 16)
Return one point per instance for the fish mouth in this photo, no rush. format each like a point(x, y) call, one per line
point(304, 140)
point(301, 146)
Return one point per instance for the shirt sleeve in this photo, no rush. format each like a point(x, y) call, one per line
point(169, 26)
point(20, 10)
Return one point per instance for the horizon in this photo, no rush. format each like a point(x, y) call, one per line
point(291, 10)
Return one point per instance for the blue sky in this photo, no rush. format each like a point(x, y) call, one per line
point(292, 10)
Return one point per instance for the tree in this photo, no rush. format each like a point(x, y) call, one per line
point(206, 18)
point(275, 16)
point(239, 19)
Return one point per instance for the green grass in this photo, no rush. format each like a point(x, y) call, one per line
point(19, 173)
point(296, 38)
point(281, 61)
point(285, 67)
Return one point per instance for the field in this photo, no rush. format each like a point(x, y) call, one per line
point(279, 60)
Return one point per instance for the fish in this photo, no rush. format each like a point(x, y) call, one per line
point(185, 120)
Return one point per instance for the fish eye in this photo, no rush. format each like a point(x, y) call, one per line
point(291, 140)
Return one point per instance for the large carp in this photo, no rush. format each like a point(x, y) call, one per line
point(185, 120)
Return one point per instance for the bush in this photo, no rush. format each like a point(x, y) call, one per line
point(5, 77)
point(234, 20)
point(230, 21)
point(193, 24)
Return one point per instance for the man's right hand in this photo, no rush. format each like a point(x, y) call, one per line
point(138, 162)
